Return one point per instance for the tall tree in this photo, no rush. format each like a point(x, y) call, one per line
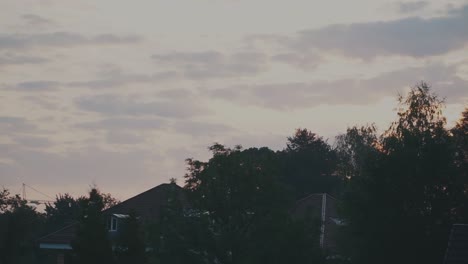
point(91, 244)
point(460, 135)
point(355, 149)
point(20, 225)
point(401, 212)
point(309, 163)
point(131, 246)
point(239, 214)
point(63, 211)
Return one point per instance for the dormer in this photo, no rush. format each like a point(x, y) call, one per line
point(114, 221)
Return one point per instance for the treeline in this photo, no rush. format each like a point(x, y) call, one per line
point(21, 225)
point(400, 192)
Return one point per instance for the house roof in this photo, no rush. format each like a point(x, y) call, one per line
point(457, 250)
point(61, 236)
point(147, 205)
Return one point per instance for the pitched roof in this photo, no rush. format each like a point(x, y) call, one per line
point(61, 236)
point(457, 250)
point(146, 205)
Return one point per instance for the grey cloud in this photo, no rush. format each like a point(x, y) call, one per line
point(120, 137)
point(115, 105)
point(13, 59)
point(203, 57)
point(410, 7)
point(180, 154)
point(81, 166)
point(289, 96)
point(11, 124)
point(42, 101)
point(416, 37)
point(305, 61)
point(32, 141)
point(125, 123)
point(59, 39)
point(36, 20)
point(176, 93)
point(119, 79)
point(200, 129)
point(37, 86)
point(113, 81)
point(212, 64)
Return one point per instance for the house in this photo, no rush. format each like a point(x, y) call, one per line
point(147, 205)
point(150, 204)
point(457, 249)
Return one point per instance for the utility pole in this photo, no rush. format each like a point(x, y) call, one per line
point(24, 191)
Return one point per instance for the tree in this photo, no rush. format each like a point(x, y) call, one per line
point(460, 135)
point(355, 149)
point(131, 245)
point(63, 211)
point(91, 244)
point(239, 213)
point(308, 164)
point(20, 225)
point(401, 211)
point(66, 209)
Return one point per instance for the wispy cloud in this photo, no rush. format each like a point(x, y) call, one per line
point(410, 7)
point(32, 141)
point(13, 124)
point(201, 129)
point(79, 166)
point(298, 95)
point(16, 59)
point(113, 105)
point(306, 61)
point(36, 20)
point(123, 138)
point(60, 39)
point(213, 64)
point(36, 86)
point(414, 37)
point(124, 123)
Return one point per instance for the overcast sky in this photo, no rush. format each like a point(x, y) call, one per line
point(118, 93)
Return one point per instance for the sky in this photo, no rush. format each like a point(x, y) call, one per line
point(119, 93)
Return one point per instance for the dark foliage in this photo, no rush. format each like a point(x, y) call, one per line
point(20, 224)
point(130, 246)
point(404, 187)
point(239, 214)
point(91, 244)
point(309, 164)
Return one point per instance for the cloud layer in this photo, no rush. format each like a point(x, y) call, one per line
point(299, 95)
point(59, 39)
point(414, 36)
point(84, 100)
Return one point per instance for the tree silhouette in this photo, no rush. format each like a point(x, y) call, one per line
point(131, 245)
point(308, 164)
point(402, 210)
point(91, 244)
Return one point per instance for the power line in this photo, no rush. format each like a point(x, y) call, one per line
point(39, 191)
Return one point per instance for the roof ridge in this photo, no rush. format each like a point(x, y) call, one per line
point(140, 194)
point(63, 228)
